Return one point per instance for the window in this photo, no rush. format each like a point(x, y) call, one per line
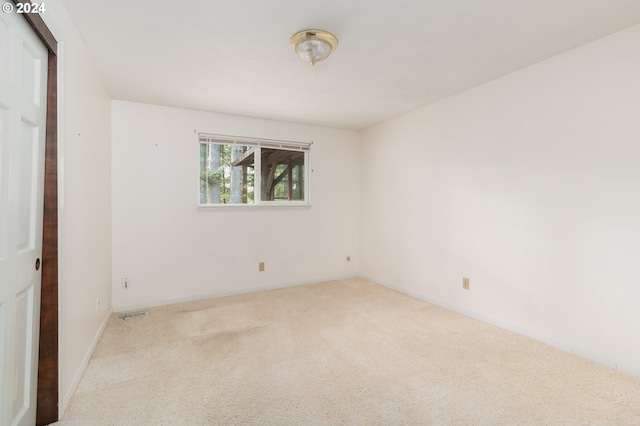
point(245, 171)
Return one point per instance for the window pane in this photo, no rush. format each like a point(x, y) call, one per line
point(282, 175)
point(226, 174)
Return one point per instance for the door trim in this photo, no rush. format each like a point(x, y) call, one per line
point(48, 393)
point(40, 29)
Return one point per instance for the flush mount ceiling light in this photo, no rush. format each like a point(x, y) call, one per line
point(314, 45)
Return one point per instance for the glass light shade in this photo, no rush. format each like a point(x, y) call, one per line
point(313, 51)
point(313, 45)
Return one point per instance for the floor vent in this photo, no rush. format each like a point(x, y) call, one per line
point(132, 315)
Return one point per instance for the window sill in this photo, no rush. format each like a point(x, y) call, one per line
point(252, 207)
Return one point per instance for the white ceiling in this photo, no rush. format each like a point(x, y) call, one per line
point(233, 56)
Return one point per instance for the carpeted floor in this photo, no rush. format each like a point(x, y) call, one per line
point(340, 352)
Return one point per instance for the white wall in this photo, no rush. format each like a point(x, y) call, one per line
point(170, 251)
point(528, 185)
point(84, 201)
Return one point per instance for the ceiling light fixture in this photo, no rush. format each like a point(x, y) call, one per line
point(314, 45)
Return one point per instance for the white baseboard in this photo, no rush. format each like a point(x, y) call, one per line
point(600, 358)
point(66, 396)
point(190, 298)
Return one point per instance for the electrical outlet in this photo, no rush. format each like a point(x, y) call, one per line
point(261, 266)
point(125, 283)
point(465, 283)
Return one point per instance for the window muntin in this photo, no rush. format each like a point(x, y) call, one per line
point(228, 174)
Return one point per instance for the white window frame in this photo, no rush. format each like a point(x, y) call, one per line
point(258, 144)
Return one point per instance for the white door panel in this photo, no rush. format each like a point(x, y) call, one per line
point(23, 68)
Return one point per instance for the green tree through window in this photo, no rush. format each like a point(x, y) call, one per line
point(252, 171)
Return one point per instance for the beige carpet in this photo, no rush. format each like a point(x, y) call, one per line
point(341, 352)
